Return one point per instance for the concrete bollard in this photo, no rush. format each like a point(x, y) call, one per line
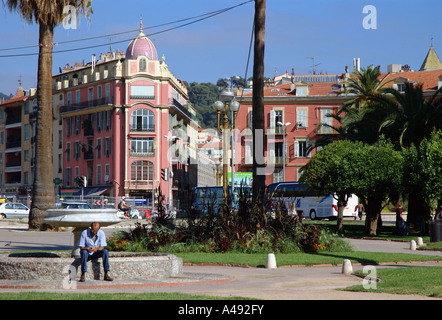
point(271, 261)
point(420, 242)
point(347, 267)
point(412, 245)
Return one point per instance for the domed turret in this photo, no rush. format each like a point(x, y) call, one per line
point(141, 46)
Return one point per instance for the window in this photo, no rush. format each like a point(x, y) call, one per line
point(142, 147)
point(68, 127)
point(142, 120)
point(26, 132)
point(68, 151)
point(99, 148)
point(67, 176)
point(77, 150)
point(106, 173)
point(278, 175)
point(107, 93)
point(301, 91)
point(77, 125)
point(77, 97)
point(300, 149)
point(98, 174)
point(142, 65)
point(107, 147)
point(275, 117)
point(141, 170)
point(142, 92)
point(301, 117)
point(327, 120)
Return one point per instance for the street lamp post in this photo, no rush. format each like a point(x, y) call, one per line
point(221, 107)
point(169, 173)
point(284, 149)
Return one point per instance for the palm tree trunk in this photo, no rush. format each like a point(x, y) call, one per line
point(43, 195)
point(258, 102)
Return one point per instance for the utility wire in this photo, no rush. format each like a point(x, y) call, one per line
point(200, 18)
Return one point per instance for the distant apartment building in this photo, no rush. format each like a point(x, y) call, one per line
point(16, 147)
point(295, 105)
point(119, 116)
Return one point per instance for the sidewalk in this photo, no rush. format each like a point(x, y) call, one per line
point(283, 283)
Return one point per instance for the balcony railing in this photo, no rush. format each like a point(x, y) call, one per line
point(146, 128)
point(277, 130)
point(85, 105)
point(146, 154)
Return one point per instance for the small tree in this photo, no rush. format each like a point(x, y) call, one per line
point(332, 170)
point(343, 167)
point(423, 172)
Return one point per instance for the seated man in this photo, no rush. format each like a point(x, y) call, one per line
point(92, 243)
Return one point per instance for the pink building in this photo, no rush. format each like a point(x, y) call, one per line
point(299, 105)
point(115, 113)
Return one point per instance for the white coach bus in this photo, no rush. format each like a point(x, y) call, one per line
point(307, 201)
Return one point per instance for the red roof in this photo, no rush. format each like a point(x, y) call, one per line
point(429, 78)
point(315, 89)
point(14, 99)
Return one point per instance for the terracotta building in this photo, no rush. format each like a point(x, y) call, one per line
point(119, 116)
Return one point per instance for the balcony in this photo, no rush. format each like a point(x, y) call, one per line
point(142, 128)
point(139, 184)
point(278, 130)
point(85, 105)
point(88, 155)
point(141, 154)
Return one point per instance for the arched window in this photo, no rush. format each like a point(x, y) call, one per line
point(141, 170)
point(142, 120)
point(142, 65)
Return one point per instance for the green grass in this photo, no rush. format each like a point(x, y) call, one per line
point(334, 258)
point(110, 296)
point(424, 281)
point(355, 230)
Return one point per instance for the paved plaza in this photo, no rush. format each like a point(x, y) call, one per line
point(282, 283)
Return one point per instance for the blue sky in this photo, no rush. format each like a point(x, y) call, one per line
point(330, 31)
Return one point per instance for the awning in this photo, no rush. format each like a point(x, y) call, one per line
point(93, 191)
point(88, 191)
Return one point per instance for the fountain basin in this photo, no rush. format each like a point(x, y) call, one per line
point(123, 266)
point(80, 219)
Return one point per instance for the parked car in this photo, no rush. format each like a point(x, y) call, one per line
point(74, 205)
point(14, 210)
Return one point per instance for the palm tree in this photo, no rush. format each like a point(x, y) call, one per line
point(413, 118)
point(359, 117)
point(364, 87)
point(47, 14)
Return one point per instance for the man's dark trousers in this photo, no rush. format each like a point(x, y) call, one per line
point(85, 257)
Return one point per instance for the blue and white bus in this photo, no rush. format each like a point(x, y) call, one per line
point(203, 197)
point(309, 202)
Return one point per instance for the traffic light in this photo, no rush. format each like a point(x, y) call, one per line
point(82, 181)
point(164, 174)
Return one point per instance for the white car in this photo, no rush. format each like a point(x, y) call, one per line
point(14, 210)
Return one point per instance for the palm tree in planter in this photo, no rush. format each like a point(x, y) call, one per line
point(47, 14)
